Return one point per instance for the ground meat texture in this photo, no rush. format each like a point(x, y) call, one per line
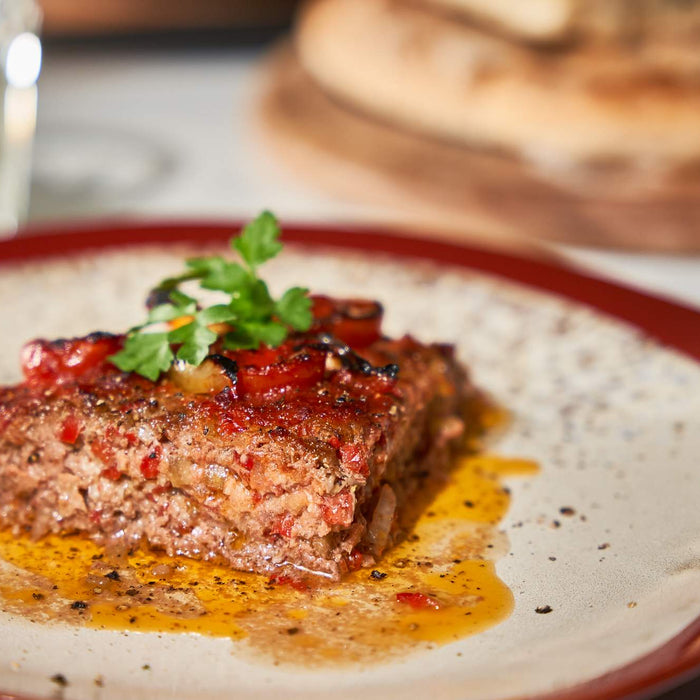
point(314, 476)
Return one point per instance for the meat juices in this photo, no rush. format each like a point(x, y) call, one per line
point(304, 458)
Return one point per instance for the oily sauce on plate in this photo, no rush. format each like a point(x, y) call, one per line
point(438, 586)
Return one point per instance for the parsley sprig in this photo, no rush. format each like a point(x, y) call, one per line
point(251, 314)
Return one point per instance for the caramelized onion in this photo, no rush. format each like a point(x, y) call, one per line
point(207, 378)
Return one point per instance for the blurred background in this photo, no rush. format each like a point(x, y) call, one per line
point(559, 128)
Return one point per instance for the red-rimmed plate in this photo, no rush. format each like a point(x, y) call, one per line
point(605, 388)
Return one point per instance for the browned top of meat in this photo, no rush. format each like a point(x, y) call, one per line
point(313, 407)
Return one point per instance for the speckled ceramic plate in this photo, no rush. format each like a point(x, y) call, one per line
point(604, 386)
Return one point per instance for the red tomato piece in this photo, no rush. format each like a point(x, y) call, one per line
point(418, 601)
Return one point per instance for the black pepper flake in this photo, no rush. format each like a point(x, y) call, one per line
point(567, 510)
point(543, 609)
point(59, 679)
point(38, 596)
point(605, 545)
point(113, 575)
point(131, 591)
point(378, 575)
point(79, 605)
point(293, 630)
point(33, 458)
point(132, 620)
point(556, 524)
point(552, 558)
point(469, 504)
point(146, 667)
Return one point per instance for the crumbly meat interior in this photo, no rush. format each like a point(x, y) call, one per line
point(317, 479)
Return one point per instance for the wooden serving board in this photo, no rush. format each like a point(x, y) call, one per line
point(440, 186)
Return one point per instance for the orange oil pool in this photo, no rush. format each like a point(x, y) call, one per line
point(436, 587)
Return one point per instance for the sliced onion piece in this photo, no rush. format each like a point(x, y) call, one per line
point(379, 527)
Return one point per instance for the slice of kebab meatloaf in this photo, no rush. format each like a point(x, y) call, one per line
point(299, 457)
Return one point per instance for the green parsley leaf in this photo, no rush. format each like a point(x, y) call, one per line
point(195, 339)
point(258, 242)
point(169, 312)
point(219, 313)
point(183, 301)
point(149, 354)
point(252, 316)
point(294, 308)
point(240, 339)
point(219, 274)
point(270, 333)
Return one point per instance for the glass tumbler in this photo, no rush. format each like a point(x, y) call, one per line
point(20, 61)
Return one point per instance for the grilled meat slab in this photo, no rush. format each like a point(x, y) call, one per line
point(299, 458)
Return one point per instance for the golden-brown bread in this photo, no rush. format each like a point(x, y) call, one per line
point(427, 72)
point(443, 188)
point(655, 21)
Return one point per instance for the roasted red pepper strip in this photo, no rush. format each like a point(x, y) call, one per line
point(355, 322)
point(301, 371)
point(62, 361)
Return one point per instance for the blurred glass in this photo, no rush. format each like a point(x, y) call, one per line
point(20, 59)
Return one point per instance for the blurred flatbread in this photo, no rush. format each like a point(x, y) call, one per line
point(621, 21)
point(425, 72)
point(440, 187)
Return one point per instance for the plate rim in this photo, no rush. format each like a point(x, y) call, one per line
point(669, 322)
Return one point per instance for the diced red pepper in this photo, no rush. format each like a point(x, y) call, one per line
point(334, 442)
point(70, 430)
point(247, 462)
point(284, 580)
point(111, 473)
point(103, 450)
point(418, 601)
point(355, 560)
point(149, 464)
point(338, 509)
point(283, 525)
point(353, 457)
